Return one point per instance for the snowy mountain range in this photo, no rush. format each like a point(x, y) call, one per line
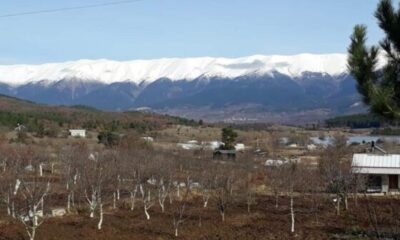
point(255, 87)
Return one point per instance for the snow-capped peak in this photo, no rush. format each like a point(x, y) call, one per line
point(108, 71)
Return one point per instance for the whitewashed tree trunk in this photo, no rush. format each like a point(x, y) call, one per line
point(146, 212)
point(147, 204)
point(99, 225)
point(92, 203)
point(338, 200)
point(162, 195)
point(32, 234)
point(8, 205)
point(118, 188)
point(206, 202)
point(292, 213)
point(206, 198)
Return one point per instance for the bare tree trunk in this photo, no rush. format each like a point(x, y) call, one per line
point(338, 199)
point(73, 198)
point(147, 214)
point(205, 203)
point(69, 203)
point(276, 200)
point(176, 232)
point(132, 201)
point(292, 212)
point(40, 170)
point(114, 201)
point(13, 209)
point(118, 188)
point(8, 205)
point(32, 234)
point(162, 208)
point(99, 225)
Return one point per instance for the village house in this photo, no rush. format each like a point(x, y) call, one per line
point(381, 171)
point(77, 133)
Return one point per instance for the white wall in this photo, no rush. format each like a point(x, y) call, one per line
point(77, 133)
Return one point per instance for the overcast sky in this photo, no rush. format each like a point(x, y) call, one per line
point(179, 28)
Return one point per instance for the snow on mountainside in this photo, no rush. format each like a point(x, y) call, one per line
point(148, 71)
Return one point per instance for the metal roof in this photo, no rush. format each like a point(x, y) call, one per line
point(376, 164)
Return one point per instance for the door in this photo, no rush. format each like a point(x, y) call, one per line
point(393, 181)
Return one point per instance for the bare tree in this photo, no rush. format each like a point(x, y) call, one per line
point(250, 192)
point(335, 167)
point(275, 179)
point(147, 199)
point(221, 194)
point(11, 164)
point(96, 174)
point(30, 192)
point(181, 207)
point(164, 187)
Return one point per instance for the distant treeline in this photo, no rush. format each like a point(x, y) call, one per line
point(33, 120)
point(357, 121)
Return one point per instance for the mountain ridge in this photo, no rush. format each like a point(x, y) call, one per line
point(175, 69)
point(256, 87)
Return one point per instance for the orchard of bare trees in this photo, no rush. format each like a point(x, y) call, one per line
point(96, 183)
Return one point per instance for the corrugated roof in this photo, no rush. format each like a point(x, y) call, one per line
point(373, 160)
point(378, 164)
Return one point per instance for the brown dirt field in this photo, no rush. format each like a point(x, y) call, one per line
point(264, 222)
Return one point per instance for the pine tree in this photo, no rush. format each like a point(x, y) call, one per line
point(380, 88)
point(228, 138)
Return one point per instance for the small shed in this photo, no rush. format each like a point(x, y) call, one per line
point(77, 133)
point(382, 171)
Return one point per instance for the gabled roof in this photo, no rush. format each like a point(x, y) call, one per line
point(376, 164)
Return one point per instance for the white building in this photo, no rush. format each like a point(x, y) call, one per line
point(240, 147)
point(312, 147)
point(77, 133)
point(148, 139)
point(213, 145)
point(382, 171)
